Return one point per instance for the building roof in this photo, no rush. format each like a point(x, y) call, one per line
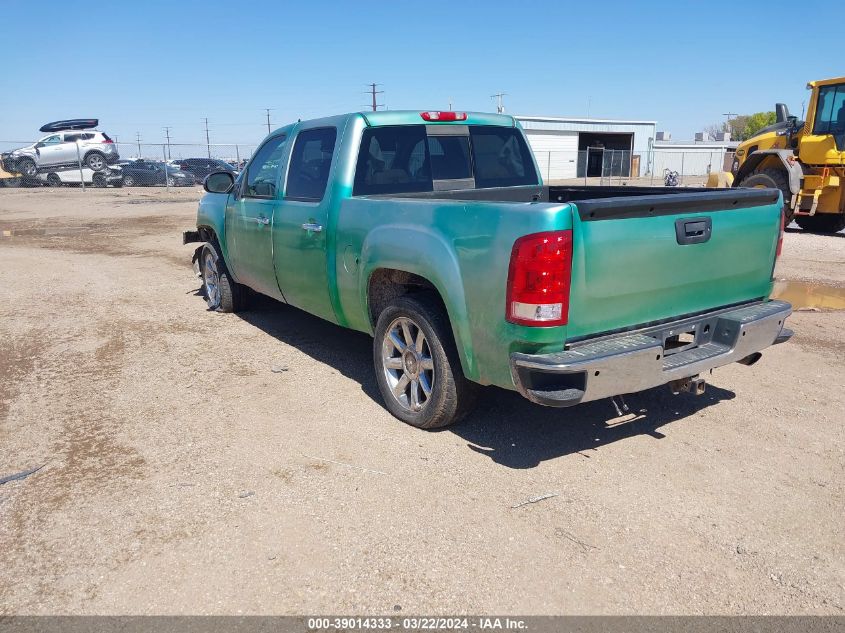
point(555, 119)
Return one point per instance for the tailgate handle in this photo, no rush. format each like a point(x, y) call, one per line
point(693, 230)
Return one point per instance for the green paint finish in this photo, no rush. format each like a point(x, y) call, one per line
point(624, 273)
point(632, 271)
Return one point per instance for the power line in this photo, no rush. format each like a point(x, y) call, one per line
point(268, 119)
point(500, 105)
point(207, 139)
point(374, 92)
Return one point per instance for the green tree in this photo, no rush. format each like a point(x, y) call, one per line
point(744, 126)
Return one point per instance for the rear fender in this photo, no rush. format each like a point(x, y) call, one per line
point(426, 253)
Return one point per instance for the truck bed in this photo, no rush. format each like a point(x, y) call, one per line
point(612, 201)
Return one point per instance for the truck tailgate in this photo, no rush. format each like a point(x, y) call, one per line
point(642, 259)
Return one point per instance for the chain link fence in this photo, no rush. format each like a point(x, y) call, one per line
point(187, 164)
point(617, 167)
point(37, 164)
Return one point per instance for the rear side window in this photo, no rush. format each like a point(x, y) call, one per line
point(264, 169)
point(501, 157)
point(310, 163)
point(392, 160)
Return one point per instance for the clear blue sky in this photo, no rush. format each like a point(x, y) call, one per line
point(139, 65)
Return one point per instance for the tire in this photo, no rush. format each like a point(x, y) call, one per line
point(128, 181)
point(98, 180)
point(222, 293)
point(171, 182)
point(404, 371)
point(96, 161)
point(771, 178)
point(53, 180)
point(827, 223)
point(27, 167)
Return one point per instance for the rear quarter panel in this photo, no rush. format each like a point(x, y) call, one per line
point(463, 249)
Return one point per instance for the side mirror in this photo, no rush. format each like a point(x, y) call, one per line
point(781, 113)
point(218, 182)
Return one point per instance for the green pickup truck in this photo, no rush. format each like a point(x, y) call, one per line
point(433, 232)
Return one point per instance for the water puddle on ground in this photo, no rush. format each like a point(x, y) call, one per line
point(806, 294)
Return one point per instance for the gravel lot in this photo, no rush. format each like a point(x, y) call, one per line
point(182, 475)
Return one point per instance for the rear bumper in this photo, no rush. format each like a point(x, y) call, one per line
point(634, 361)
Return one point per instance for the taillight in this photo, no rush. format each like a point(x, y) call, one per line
point(780, 235)
point(107, 140)
point(444, 116)
point(539, 279)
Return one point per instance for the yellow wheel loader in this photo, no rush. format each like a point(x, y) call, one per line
point(805, 160)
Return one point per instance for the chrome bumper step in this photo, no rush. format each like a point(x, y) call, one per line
point(634, 361)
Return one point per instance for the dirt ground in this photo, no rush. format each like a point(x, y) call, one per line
point(181, 474)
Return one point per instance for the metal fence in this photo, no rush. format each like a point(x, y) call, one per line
point(72, 170)
point(607, 166)
point(599, 167)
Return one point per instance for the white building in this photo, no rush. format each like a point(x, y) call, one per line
point(694, 158)
point(576, 147)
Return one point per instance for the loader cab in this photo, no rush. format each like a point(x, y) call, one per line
point(824, 144)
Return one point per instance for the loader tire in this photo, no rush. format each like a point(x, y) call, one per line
point(770, 178)
point(827, 223)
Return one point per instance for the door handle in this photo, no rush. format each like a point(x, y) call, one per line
point(262, 220)
point(312, 227)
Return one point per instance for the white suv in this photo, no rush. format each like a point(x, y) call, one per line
point(59, 149)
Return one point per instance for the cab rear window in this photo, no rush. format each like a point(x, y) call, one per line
point(405, 159)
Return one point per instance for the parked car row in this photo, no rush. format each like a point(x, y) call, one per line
point(55, 159)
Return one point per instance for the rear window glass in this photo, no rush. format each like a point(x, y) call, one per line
point(403, 159)
point(449, 157)
point(392, 160)
point(501, 157)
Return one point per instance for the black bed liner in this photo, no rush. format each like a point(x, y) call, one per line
point(605, 203)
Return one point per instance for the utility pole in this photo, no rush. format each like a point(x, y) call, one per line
point(450, 104)
point(207, 140)
point(373, 92)
point(268, 119)
point(138, 139)
point(500, 106)
point(729, 115)
point(167, 134)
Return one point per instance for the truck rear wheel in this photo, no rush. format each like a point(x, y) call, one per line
point(222, 293)
point(417, 366)
point(771, 179)
point(821, 222)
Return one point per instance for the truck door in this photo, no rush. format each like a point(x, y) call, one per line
point(299, 227)
point(249, 217)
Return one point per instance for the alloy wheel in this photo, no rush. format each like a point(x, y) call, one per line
point(408, 365)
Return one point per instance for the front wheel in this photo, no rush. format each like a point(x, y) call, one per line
point(417, 366)
point(128, 181)
point(98, 180)
point(27, 167)
point(222, 293)
point(53, 180)
point(821, 222)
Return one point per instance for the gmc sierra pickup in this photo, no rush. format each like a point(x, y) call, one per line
point(433, 232)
